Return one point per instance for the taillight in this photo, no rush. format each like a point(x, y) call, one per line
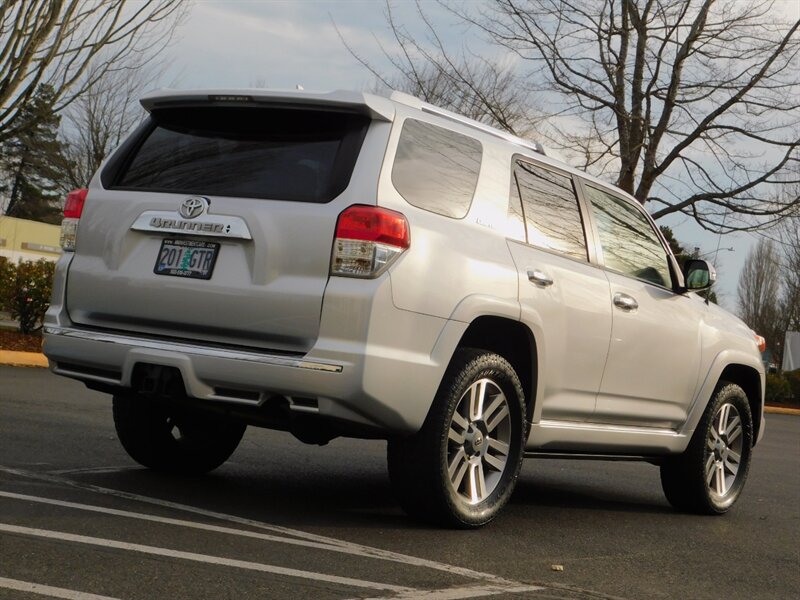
point(368, 240)
point(73, 209)
point(74, 205)
point(761, 343)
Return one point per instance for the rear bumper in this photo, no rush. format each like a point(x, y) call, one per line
point(373, 365)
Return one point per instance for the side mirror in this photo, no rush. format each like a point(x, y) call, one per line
point(699, 275)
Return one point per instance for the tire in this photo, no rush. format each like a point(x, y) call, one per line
point(710, 475)
point(460, 469)
point(164, 437)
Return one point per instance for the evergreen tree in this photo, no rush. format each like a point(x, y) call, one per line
point(677, 248)
point(31, 162)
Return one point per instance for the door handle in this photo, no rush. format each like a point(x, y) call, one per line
point(625, 302)
point(539, 278)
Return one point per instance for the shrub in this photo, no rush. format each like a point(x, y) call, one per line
point(26, 291)
point(778, 390)
point(6, 273)
point(793, 378)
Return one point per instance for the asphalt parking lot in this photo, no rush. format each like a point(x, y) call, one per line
point(281, 519)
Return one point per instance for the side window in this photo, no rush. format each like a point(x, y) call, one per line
point(552, 217)
point(630, 244)
point(436, 169)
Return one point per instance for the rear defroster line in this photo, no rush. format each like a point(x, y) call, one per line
point(297, 537)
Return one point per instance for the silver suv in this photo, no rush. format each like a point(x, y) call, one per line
point(345, 264)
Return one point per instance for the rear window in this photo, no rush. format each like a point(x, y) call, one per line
point(274, 153)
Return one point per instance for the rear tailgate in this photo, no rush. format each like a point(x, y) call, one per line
point(215, 222)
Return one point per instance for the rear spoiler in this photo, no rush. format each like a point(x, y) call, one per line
point(373, 106)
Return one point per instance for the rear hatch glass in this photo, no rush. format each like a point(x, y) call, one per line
point(286, 154)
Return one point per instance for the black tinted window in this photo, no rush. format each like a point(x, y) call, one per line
point(282, 154)
point(552, 217)
point(436, 169)
point(630, 244)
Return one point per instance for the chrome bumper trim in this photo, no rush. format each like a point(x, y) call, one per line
point(197, 350)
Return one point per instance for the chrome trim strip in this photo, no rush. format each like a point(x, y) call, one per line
point(226, 226)
point(588, 456)
point(266, 359)
point(604, 428)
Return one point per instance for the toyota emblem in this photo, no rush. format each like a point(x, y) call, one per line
point(193, 207)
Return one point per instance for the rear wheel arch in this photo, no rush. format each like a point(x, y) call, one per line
point(513, 341)
point(749, 380)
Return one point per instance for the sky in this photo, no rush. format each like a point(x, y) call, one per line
point(281, 44)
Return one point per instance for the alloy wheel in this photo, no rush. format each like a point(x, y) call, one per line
point(479, 439)
point(724, 444)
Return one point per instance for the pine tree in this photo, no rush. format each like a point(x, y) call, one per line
point(31, 162)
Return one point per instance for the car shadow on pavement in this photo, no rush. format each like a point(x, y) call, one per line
point(355, 500)
point(584, 488)
point(360, 500)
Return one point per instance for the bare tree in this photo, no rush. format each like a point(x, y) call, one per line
point(475, 86)
point(789, 240)
point(758, 294)
point(100, 119)
point(692, 105)
point(70, 44)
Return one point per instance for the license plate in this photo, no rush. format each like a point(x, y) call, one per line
point(186, 258)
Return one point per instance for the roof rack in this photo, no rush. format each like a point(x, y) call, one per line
point(420, 104)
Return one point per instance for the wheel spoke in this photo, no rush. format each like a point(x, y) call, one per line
point(456, 437)
point(709, 469)
point(477, 396)
point(497, 454)
point(735, 430)
point(719, 480)
point(498, 401)
point(458, 428)
point(477, 483)
point(457, 468)
point(496, 463)
point(723, 418)
point(498, 418)
point(459, 420)
point(481, 482)
point(501, 447)
point(714, 436)
point(732, 462)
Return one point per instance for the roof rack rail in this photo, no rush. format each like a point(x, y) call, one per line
point(420, 104)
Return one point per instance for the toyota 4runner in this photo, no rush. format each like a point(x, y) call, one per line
point(345, 264)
